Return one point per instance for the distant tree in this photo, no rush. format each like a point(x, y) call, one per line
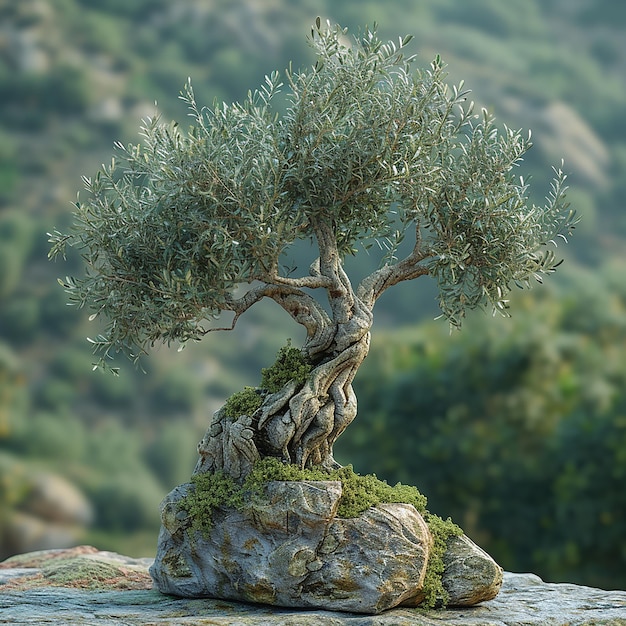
point(368, 151)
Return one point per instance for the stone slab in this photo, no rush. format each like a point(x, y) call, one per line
point(525, 600)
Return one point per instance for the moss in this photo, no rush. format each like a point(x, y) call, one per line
point(271, 468)
point(362, 492)
point(290, 364)
point(209, 491)
point(244, 402)
point(441, 530)
point(88, 572)
point(359, 493)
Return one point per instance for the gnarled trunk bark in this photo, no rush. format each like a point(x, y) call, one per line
point(299, 423)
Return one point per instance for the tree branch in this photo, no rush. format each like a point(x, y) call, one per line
point(373, 286)
point(302, 308)
point(340, 293)
point(314, 281)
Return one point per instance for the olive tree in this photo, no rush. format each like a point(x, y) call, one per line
point(363, 149)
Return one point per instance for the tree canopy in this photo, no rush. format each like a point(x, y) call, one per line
point(363, 149)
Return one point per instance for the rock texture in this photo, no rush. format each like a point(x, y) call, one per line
point(523, 601)
point(289, 549)
point(470, 576)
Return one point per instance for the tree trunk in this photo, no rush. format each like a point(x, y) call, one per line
point(300, 423)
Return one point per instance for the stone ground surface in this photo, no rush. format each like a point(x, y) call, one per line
point(84, 586)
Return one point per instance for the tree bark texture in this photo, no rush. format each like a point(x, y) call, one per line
point(300, 423)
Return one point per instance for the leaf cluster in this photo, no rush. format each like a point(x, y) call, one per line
point(368, 148)
point(485, 236)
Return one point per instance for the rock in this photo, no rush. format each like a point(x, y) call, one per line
point(83, 567)
point(54, 499)
point(290, 549)
point(470, 576)
point(53, 513)
point(23, 532)
point(523, 601)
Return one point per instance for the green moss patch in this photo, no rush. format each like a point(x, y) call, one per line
point(244, 402)
point(359, 493)
point(83, 572)
point(210, 491)
point(290, 364)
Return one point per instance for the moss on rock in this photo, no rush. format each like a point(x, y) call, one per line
point(359, 493)
point(244, 402)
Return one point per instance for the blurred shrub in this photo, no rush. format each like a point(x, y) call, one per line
point(137, 8)
point(172, 454)
point(123, 491)
point(62, 90)
point(16, 241)
point(19, 315)
point(8, 167)
point(112, 391)
point(49, 437)
point(126, 502)
point(171, 392)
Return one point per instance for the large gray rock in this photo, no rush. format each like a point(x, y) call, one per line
point(290, 549)
point(27, 598)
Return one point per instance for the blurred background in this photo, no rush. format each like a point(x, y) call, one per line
point(514, 427)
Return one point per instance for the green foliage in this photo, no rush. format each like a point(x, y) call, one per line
point(290, 365)
point(244, 402)
point(193, 215)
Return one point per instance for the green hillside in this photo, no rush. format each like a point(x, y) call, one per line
point(526, 433)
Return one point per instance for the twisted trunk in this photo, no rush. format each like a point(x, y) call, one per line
point(299, 423)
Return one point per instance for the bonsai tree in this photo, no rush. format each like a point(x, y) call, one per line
point(363, 151)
